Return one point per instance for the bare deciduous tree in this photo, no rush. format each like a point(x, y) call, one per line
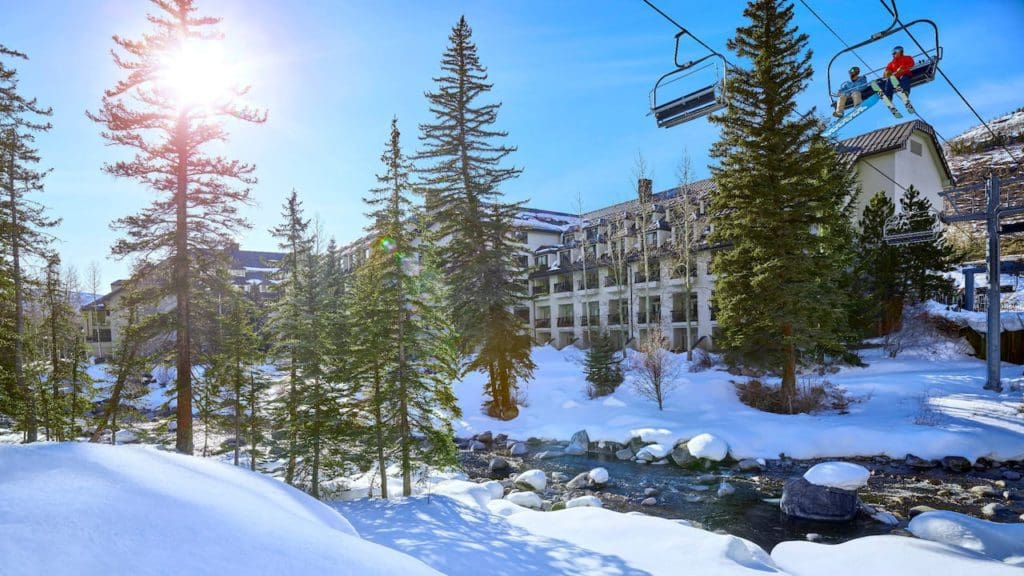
point(655, 369)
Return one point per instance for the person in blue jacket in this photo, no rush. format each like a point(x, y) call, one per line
point(850, 89)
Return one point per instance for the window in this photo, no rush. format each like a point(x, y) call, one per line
point(541, 260)
point(519, 235)
point(916, 148)
point(590, 252)
point(591, 233)
point(522, 260)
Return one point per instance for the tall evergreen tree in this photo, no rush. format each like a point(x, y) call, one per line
point(922, 264)
point(877, 300)
point(461, 174)
point(779, 206)
point(23, 220)
point(169, 116)
point(603, 368)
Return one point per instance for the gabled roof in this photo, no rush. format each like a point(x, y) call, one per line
point(254, 259)
point(888, 139)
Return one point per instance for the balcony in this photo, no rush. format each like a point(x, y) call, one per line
point(642, 318)
point(614, 319)
point(640, 277)
point(542, 290)
point(563, 287)
point(592, 320)
point(565, 322)
point(542, 322)
point(611, 280)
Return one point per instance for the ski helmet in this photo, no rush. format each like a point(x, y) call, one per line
point(854, 70)
point(897, 48)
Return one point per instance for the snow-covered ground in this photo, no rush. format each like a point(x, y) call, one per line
point(928, 402)
point(86, 509)
point(463, 532)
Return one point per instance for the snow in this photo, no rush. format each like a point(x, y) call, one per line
point(708, 446)
point(598, 476)
point(525, 499)
point(496, 489)
point(1003, 542)
point(1009, 321)
point(927, 405)
point(654, 452)
point(577, 502)
point(533, 478)
point(87, 509)
point(844, 475)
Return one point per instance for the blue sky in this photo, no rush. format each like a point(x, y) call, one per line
point(573, 75)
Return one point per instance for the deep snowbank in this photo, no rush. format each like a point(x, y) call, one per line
point(87, 509)
point(918, 404)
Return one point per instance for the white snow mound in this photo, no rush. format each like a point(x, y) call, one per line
point(533, 478)
point(88, 509)
point(581, 501)
point(844, 475)
point(708, 446)
point(1000, 541)
point(526, 500)
point(598, 476)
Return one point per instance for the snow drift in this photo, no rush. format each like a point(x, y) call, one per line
point(87, 509)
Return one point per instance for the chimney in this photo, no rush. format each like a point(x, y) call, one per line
point(644, 188)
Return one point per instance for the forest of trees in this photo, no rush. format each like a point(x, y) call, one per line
point(345, 370)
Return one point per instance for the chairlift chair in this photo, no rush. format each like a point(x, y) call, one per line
point(892, 237)
point(925, 64)
point(695, 104)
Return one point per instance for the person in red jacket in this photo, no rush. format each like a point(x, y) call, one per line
point(899, 68)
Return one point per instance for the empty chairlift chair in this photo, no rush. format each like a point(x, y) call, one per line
point(671, 111)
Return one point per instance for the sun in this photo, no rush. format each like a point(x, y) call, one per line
point(196, 74)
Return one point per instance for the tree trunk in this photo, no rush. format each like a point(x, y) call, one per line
point(182, 289)
point(379, 422)
point(31, 425)
point(253, 423)
point(53, 421)
point(403, 399)
point(238, 412)
point(314, 489)
point(293, 434)
point(789, 367)
point(689, 321)
point(75, 353)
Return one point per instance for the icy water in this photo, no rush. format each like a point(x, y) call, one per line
point(682, 495)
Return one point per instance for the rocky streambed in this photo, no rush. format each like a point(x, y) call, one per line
point(742, 497)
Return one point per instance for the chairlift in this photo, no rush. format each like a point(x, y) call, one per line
point(695, 104)
point(892, 235)
point(925, 63)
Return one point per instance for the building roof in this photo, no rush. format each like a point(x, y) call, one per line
point(254, 259)
point(701, 187)
point(888, 139)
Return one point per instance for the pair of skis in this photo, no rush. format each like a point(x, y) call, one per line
point(888, 102)
point(838, 124)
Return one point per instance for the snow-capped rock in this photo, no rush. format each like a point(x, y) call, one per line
point(1000, 541)
point(517, 449)
point(708, 446)
point(598, 476)
point(652, 452)
point(534, 479)
point(496, 489)
point(526, 500)
point(582, 501)
point(844, 475)
point(578, 444)
point(726, 489)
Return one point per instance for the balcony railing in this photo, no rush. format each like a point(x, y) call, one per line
point(641, 317)
point(640, 277)
point(563, 287)
point(611, 280)
point(565, 322)
point(542, 322)
point(614, 319)
point(540, 290)
point(592, 320)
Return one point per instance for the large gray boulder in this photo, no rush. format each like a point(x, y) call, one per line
point(578, 444)
point(801, 499)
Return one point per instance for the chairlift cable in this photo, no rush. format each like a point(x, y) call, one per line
point(691, 34)
point(953, 86)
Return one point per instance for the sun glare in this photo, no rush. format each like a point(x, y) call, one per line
point(197, 73)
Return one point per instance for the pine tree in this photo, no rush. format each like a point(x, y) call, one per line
point(877, 300)
point(461, 177)
point(603, 367)
point(922, 264)
point(23, 220)
point(156, 111)
point(779, 207)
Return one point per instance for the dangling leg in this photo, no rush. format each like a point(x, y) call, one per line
point(840, 106)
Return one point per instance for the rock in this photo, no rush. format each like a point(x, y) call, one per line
point(801, 499)
point(650, 492)
point(708, 446)
point(748, 465)
point(653, 452)
point(532, 480)
point(920, 463)
point(548, 454)
point(584, 501)
point(681, 455)
point(558, 506)
point(484, 437)
point(844, 475)
point(991, 509)
point(578, 444)
point(172, 426)
point(920, 510)
point(498, 464)
point(500, 439)
point(126, 437)
point(885, 518)
point(1011, 475)
point(581, 481)
point(706, 479)
point(625, 454)
point(813, 537)
point(726, 489)
point(599, 476)
point(477, 446)
point(557, 476)
point(517, 449)
point(956, 463)
point(526, 500)
point(651, 501)
point(496, 489)
point(983, 491)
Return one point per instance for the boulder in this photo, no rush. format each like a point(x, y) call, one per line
point(498, 464)
point(598, 476)
point(548, 454)
point(920, 463)
point(581, 481)
point(708, 446)
point(748, 465)
point(532, 480)
point(584, 501)
point(956, 464)
point(517, 449)
point(991, 509)
point(126, 437)
point(726, 489)
point(625, 454)
point(485, 437)
point(477, 446)
point(650, 492)
point(578, 444)
point(801, 499)
point(526, 500)
point(921, 509)
point(651, 501)
point(653, 452)
point(495, 488)
point(501, 439)
point(844, 475)
point(681, 455)
point(1011, 475)
point(983, 491)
